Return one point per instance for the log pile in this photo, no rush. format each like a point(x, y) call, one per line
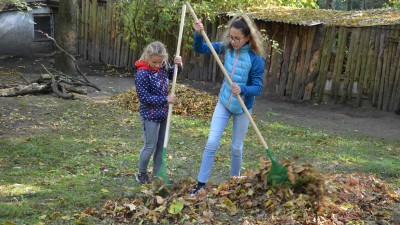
point(57, 82)
point(62, 85)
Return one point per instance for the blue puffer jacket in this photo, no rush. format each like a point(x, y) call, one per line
point(152, 90)
point(244, 67)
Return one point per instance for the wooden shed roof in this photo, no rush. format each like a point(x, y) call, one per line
point(311, 17)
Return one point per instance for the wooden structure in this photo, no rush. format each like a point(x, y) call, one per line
point(323, 55)
point(100, 37)
point(346, 57)
point(19, 27)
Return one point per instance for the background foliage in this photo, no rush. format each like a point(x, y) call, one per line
point(21, 5)
point(140, 18)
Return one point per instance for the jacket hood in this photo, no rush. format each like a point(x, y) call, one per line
point(143, 65)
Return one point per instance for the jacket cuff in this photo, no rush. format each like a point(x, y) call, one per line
point(243, 89)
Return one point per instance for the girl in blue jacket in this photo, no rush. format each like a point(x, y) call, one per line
point(151, 81)
point(243, 52)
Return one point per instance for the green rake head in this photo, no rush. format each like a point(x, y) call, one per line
point(163, 173)
point(278, 174)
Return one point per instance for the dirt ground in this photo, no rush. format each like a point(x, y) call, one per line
point(337, 119)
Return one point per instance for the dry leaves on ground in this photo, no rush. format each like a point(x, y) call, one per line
point(190, 102)
point(313, 199)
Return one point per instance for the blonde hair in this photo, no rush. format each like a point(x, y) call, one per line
point(248, 27)
point(155, 48)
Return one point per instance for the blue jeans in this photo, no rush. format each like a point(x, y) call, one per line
point(219, 121)
point(153, 133)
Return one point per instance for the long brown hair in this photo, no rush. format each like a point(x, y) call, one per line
point(243, 23)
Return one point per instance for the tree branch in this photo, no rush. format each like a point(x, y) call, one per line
point(88, 83)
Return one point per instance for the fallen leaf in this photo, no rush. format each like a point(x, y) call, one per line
point(160, 200)
point(175, 207)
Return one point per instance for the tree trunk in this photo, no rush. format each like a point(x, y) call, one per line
point(66, 36)
point(328, 4)
point(24, 90)
point(348, 5)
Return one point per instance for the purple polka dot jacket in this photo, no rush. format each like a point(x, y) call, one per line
point(152, 90)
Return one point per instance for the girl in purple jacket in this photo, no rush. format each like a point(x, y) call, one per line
point(151, 82)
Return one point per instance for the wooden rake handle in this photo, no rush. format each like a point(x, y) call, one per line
point(178, 49)
point(203, 33)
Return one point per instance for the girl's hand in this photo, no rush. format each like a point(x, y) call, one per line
point(235, 89)
point(198, 26)
point(171, 98)
point(178, 60)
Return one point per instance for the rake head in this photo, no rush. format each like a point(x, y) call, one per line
point(278, 174)
point(163, 173)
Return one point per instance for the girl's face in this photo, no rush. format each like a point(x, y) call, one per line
point(155, 62)
point(238, 39)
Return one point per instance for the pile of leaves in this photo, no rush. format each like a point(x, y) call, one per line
point(312, 199)
point(191, 102)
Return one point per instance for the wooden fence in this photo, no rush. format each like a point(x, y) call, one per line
point(347, 65)
point(100, 37)
point(100, 40)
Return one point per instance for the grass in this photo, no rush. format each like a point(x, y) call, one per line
point(77, 154)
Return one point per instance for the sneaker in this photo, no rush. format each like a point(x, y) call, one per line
point(196, 189)
point(143, 178)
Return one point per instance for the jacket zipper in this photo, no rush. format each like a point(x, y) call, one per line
point(233, 70)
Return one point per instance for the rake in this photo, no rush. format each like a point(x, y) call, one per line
point(162, 173)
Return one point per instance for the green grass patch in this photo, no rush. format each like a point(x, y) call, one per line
point(91, 150)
